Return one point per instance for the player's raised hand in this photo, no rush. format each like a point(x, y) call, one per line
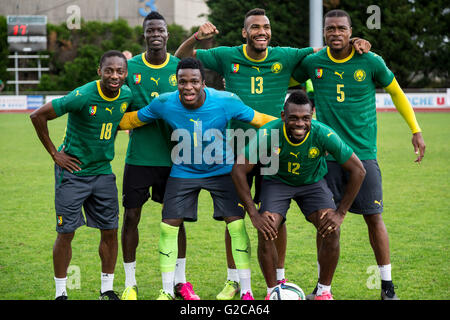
point(206, 31)
point(419, 146)
point(361, 46)
point(65, 161)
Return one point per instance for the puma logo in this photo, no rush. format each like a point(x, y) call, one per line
point(166, 254)
point(328, 135)
point(377, 202)
point(78, 93)
point(110, 110)
point(194, 121)
point(339, 74)
point(294, 154)
point(156, 81)
point(245, 250)
point(257, 68)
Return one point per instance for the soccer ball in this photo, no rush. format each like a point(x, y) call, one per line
point(287, 291)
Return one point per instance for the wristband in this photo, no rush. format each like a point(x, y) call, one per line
point(195, 36)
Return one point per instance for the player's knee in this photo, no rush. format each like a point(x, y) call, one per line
point(132, 217)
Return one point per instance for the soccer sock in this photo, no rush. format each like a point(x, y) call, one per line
point(180, 271)
point(130, 273)
point(321, 288)
point(167, 282)
point(280, 274)
point(245, 281)
point(60, 286)
point(269, 290)
point(240, 244)
point(168, 252)
point(385, 272)
point(232, 275)
point(107, 280)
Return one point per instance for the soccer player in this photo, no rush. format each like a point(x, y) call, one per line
point(259, 74)
point(199, 116)
point(83, 175)
point(344, 92)
point(300, 144)
point(149, 74)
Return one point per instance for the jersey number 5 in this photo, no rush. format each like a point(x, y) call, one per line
point(341, 94)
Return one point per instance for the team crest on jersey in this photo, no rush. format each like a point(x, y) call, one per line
point(276, 67)
point(137, 78)
point(235, 67)
point(59, 220)
point(313, 152)
point(92, 110)
point(318, 72)
point(173, 80)
point(359, 75)
point(276, 150)
point(123, 107)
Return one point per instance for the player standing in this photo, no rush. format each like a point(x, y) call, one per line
point(259, 74)
point(201, 116)
point(300, 144)
point(83, 175)
point(344, 92)
point(149, 74)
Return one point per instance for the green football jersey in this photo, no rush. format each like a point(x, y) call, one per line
point(298, 164)
point(92, 124)
point(150, 145)
point(261, 84)
point(344, 95)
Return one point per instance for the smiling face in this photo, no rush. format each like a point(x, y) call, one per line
point(155, 34)
point(191, 87)
point(297, 119)
point(257, 32)
point(113, 73)
point(337, 33)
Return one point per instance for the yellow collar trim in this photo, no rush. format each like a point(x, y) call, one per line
point(100, 92)
point(342, 60)
point(155, 66)
point(244, 48)
point(294, 144)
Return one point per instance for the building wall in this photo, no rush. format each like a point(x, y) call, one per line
point(182, 12)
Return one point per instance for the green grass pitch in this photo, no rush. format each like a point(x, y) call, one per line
point(417, 215)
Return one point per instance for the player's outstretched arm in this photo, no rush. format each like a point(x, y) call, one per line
point(331, 220)
point(130, 121)
point(262, 222)
point(261, 119)
point(39, 118)
point(403, 106)
point(186, 49)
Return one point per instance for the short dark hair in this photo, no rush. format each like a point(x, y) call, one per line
point(154, 15)
point(254, 12)
point(338, 13)
point(191, 63)
point(112, 53)
point(297, 97)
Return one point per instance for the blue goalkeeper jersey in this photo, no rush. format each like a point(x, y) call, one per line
point(202, 149)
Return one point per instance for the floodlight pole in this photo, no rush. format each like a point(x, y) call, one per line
point(315, 23)
point(117, 10)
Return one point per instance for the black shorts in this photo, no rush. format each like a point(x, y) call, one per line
point(96, 194)
point(276, 197)
point(137, 181)
point(181, 198)
point(369, 199)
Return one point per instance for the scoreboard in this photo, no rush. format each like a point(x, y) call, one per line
point(27, 33)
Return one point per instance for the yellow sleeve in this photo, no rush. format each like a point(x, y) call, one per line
point(261, 119)
point(130, 121)
point(403, 106)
